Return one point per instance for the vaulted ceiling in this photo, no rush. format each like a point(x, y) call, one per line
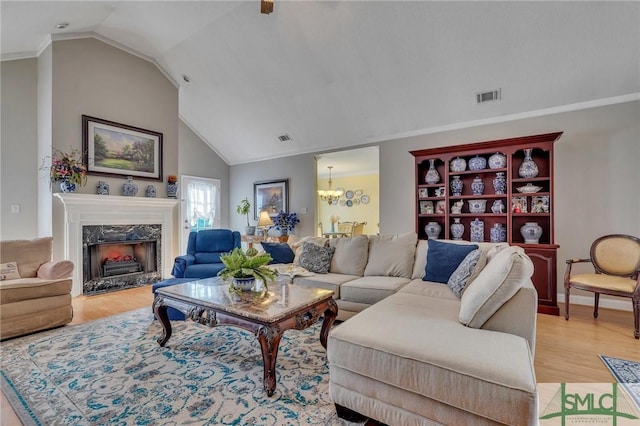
point(346, 73)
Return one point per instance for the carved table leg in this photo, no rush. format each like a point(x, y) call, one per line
point(269, 338)
point(329, 317)
point(160, 310)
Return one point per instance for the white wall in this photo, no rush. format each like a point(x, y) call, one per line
point(18, 149)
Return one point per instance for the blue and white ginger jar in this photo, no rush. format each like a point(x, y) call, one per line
point(456, 186)
point(102, 188)
point(498, 234)
point(497, 161)
point(457, 229)
point(129, 188)
point(477, 186)
point(458, 165)
point(478, 163)
point(500, 183)
point(150, 191)
point(477, 231)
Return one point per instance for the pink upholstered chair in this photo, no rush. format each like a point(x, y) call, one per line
point(616, 260)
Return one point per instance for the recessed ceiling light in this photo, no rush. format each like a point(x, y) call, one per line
point(62, 25)
point(186, 78)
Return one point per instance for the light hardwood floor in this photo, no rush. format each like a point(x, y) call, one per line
point(566, 351)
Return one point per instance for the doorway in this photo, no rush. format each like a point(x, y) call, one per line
point(200, 207)
point(356, 173)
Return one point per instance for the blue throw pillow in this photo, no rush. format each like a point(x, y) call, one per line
point(280, 252)
point(444, 258)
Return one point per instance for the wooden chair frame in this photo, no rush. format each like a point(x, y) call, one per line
point(635, 275)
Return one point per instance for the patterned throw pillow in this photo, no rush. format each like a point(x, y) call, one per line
point(315, 258)
point(460, 277)
point(9, 271)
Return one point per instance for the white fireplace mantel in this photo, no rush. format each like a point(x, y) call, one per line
point(78, 210)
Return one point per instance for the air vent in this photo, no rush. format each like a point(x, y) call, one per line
point(493, 95)
point(285, 138)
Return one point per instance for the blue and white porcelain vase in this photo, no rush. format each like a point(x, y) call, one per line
point(498, 234)
point(66, 186)
point(432, 176)
point(531, 232)
point(458, 165)
point(497, 161)
point(432, 229)
point(150, 191)
point(477, 186)
point(456, 186)
point(528, 169)
point(478, 163)
point(102, 188)
point(129, 188)
point(172, 189)
point(477, 231)
point(500, 183)
point(457, 229)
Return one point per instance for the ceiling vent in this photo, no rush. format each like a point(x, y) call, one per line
point(285, 138)
point(493, 95)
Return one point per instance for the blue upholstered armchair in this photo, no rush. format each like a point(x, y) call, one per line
point(203, 253)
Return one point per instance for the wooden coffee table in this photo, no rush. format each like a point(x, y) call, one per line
point(267, 314)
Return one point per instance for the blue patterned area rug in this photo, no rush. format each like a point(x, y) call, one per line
point(112, 371)
point(627, 373)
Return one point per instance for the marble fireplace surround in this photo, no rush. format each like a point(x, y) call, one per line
point(77, 210)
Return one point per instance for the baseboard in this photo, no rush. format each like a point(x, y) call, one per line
point(619, 303)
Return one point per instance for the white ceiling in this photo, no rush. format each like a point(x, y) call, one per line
point(345, 73)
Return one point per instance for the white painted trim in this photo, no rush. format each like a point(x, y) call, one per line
point(47, 41)
point(619, 303)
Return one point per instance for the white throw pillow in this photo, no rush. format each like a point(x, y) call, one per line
point(391, 255)
point(498, 282)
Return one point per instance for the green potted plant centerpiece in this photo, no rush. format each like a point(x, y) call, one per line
point(244, 267)
point(244, 208)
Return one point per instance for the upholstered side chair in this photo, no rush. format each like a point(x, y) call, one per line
point(616, 260)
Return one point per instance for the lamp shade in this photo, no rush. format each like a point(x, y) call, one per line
point(264, 219)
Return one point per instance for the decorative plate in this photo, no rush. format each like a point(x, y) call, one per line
point(334, 202)
point(349, 194)
point(349, 203)
point(356, 201)
point(340, 190)
point(365, 199)
point(529, 188)
point(358, 192)
point(343, 202)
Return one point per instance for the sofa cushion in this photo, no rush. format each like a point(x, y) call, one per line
point(9, 271)
point(421, 260)
point(460, 277)
point(204, 257)
point(391, 255)
point(371, 289)
point(503, 276)
point(12, 291)
point(443, 258)
point(279, 252)
point(28, 254)
point(350, 256)
point(328, 281)
point(429, 289)
point(214, 241)
point(315, 258)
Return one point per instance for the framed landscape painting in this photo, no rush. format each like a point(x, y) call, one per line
point(271, 195)
point(114, 149)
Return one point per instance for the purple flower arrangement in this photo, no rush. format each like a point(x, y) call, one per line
point(285, 223)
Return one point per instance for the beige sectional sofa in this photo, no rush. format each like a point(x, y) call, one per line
point(35, 292)
point(417, 354)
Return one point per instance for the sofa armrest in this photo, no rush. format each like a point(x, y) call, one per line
point(55, 270)
point(181, 263)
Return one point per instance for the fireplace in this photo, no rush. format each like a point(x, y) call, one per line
point(116, 257)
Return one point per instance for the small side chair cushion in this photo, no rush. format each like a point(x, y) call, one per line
point(460, 277)
point(315, 258)
point(498, 282)
point(350, 257)
point(9, 271)
point(280, 252)
point(391, 255)
point(605, 282)
point(443, 259)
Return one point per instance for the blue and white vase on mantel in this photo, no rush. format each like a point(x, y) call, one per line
point(528, 169)
point(477, 186)
point(67, 186)
point(102, 187)
point(499, 183)
point(129, 188)
point(478, 163)
point(477, 231)
point(150, 191)
point(497, 161)
point(457, 229)
point(456, 186)
point(172, 189)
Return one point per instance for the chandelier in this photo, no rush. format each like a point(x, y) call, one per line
point(330, 196)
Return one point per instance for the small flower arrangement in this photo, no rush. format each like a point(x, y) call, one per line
point(285, 223)
point(68, 166)
point(172, 178)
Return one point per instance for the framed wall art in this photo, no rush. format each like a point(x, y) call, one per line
point(271, 195)
point(114, 149)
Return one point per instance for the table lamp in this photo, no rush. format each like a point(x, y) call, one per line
point(264, 222)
